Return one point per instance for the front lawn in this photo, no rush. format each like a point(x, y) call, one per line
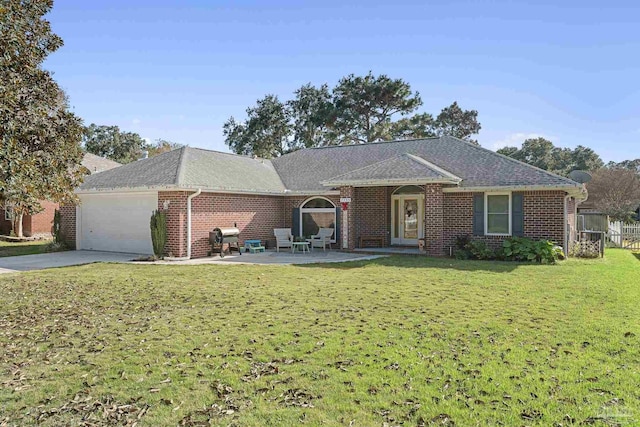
point(398, 341)
point(23, 248)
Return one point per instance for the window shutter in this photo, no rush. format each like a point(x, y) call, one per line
point(517, 214)
point(478, 214)
point(295, 222)
point(336, 233)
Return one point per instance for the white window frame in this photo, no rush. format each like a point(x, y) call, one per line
point(8, 213)
point(486, 214)
point(319, 210)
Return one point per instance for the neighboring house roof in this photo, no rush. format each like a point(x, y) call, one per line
point(187, 168)
point(315, 170)
point(97, 164)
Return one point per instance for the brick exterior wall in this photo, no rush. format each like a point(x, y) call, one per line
point(373, 212)
point(543, 217)
point(434, 219)
point(68, 225)
point(41, 223)
point(256, 217)
point(447, 215)
point(5, 225)
point(38, 225)
point(349, 219)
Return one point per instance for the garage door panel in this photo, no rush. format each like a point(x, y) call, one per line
point(117, 223)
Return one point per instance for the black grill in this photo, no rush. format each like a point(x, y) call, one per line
point(221, 236)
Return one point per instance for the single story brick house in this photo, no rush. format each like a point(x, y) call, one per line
point(40, 224)
point(393, 193)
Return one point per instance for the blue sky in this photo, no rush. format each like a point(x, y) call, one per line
point(566, 70)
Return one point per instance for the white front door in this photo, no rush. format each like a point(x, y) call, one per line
point(407, 219)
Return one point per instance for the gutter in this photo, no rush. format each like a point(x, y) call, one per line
point(191, 197)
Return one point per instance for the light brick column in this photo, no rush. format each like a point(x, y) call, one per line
point(434, 219)
point(348, 220)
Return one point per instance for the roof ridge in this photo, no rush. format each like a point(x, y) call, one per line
point(481, 148)
point(432, 166)
point(368, 143)
point(246, 156)
point(180, 171)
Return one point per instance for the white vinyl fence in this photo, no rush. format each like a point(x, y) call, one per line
point(624, 235)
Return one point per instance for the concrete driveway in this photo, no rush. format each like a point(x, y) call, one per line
point(60, 259)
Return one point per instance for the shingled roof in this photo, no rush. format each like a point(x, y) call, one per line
point(187, 168)
point(97, 164)
point(403, 168)
point(476, 166)
point(445, 159)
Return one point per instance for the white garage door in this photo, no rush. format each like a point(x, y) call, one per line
point(116, 222)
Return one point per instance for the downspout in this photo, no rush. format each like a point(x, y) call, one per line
point(185, 258)
point(566, 225)
point(197, 193)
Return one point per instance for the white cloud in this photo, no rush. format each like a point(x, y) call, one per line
point(516, 140)
point(135, 122)
point(147, 140)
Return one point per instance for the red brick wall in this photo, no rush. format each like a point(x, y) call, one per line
point(41, 223)
point(544, 215)
point(372, 211)
point(176, 221)
point(5, 226)
point(434, 219)
point(350, 218)
point(68, 225)
point(543, 218)
point(255, 216)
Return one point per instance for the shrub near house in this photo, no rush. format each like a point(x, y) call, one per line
point(512, 249)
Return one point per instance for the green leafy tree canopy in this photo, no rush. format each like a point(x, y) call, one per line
point(359, 109)
point(542, 153)
point(40, 155)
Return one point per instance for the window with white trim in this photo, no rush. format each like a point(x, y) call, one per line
point(8, 213)
point(497, 216)
point(316, 213)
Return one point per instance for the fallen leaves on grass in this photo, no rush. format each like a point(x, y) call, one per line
point(85, 410)
point(297, 397)
point(229, 403)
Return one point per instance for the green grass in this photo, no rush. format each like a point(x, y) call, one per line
point(23, 248)
point(401, 341)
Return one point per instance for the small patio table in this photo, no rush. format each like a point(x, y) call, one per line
point(300, 245)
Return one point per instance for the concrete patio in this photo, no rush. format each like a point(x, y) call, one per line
point(282, 258)
point(60, 259)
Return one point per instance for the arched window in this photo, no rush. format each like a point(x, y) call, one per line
point(316, 213)
point(409, 189)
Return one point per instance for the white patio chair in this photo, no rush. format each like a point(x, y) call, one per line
point(284, 238)
point(322, 239)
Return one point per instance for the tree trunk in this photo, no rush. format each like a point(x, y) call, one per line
point(17, 223)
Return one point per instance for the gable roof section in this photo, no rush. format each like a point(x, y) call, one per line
point(97, 164)
point(227, 172)
point(191, 168)
point(161, 170)
point(402, 169)
point(305, 170)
